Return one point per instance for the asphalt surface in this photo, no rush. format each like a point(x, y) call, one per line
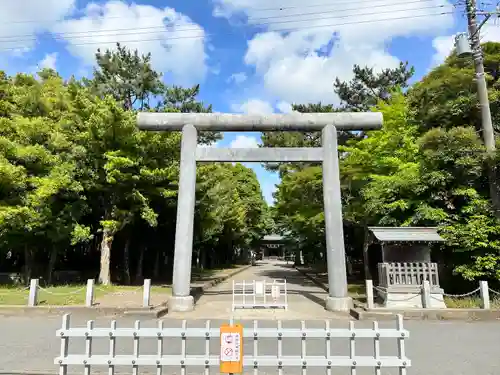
point(29, 345)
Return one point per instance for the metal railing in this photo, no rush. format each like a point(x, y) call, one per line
point(260, 294)
point(407, 274)
point(255, 356)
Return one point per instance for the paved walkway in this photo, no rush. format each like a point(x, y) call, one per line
point(305, 299)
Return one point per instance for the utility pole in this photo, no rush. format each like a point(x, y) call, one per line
point(482, 88)
point(474, 49)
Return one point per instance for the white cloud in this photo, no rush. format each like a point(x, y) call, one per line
point(49, 61)
point(244, 141)
point(284, 107)
point(176, 43)
point(443, 45)
point(294, 56)
point(22, 21)
point(254, 107)
point(237, 78)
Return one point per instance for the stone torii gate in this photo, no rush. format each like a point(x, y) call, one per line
point(191, 123)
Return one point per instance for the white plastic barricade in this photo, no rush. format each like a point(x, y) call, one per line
point(260, 294)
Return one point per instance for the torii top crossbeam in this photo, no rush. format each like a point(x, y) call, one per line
point(276, 122)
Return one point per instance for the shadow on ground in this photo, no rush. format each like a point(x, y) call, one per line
point(307, 294)
point(282, 271)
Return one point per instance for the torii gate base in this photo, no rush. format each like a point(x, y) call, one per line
point(327, 123)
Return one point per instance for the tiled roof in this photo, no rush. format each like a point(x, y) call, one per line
point(406, 234)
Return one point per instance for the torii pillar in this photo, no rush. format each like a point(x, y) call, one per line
point(328, 123)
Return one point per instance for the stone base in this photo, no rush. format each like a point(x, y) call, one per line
point(338, 303)
point(411, 298)
point(181, 304)
point(437, 301)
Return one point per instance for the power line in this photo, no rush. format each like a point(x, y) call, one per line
point(277, 30)
point(350, 9)
point(162, 27)
point(356, 15)
point(329, 4)
point(121, 32)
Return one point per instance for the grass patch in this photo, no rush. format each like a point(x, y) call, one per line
point(469, 303)
point(68, 295)
point(13, 295)
point(357, 291)
point(198, 274)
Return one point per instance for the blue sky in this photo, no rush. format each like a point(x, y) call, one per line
point(250, 56)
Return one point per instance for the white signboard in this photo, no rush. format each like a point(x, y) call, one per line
point(230, 347)
point(259, 288)
point(275, 291)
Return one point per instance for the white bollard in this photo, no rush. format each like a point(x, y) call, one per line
point(33, 296)
point(89, 296)
point(485, 295)
point(426, 294)
point(146, 294)
point(369, 294)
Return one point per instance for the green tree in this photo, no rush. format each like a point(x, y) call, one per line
point(435, 179)
point(126, 76)
point(299, 209)
point(447, 97)
point(185, 100)
point(361, 93)
point(82, 187)
point(224, 227)
point(367, 87)
point(41, 197)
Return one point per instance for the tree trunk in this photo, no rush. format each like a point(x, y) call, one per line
point(126, 262)
point(138, 274)
point(197, 261)
point(105, 270)
point(52, 263)
point(366, 257)
point(203, 259)
point(156, 272)
point(28, 264)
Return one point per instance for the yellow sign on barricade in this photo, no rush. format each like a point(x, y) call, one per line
point(231, 349)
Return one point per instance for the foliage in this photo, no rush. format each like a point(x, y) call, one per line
point(446, 97)
point(226, 226)
point(367, 87)
point(126, 76)
point(425, 167)
point(184, 100)
point(81, 187)
point(305, 222)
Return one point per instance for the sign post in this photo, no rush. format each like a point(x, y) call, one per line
point(259, 288)
point(231, 349)
point(275, 292)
